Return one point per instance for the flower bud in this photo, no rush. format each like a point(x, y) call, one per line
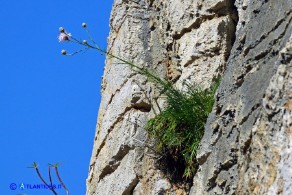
point(61, 29)
point(63, 52)
point(84, 25)
point(84, 42)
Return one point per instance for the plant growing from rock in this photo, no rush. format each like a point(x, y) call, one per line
point(179, 128)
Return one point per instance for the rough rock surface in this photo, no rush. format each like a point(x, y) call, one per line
point(246, 148)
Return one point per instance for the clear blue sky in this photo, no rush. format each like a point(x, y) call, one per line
point(48, 102)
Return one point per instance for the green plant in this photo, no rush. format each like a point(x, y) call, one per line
point(150, 74)
point(179, 128)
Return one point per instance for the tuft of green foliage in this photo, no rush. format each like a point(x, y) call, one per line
point(179, 128)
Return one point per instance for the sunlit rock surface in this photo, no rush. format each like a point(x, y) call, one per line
point(247, 144)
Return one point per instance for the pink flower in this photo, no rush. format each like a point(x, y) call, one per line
point(63, 36)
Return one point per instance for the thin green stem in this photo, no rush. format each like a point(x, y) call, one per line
point(164, 85)
point(90, 37)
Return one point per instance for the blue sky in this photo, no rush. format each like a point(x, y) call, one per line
point(49, 102)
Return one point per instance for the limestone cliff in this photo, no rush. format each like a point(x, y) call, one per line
point(246, 148)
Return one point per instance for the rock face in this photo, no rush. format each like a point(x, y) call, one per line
point(250, 128)
point(247, 144)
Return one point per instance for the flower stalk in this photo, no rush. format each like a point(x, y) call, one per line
point(162, 84)
point(51, 187)
point(35, 166)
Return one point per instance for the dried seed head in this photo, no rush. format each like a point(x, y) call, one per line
point(63, 52)
point(61, 29)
